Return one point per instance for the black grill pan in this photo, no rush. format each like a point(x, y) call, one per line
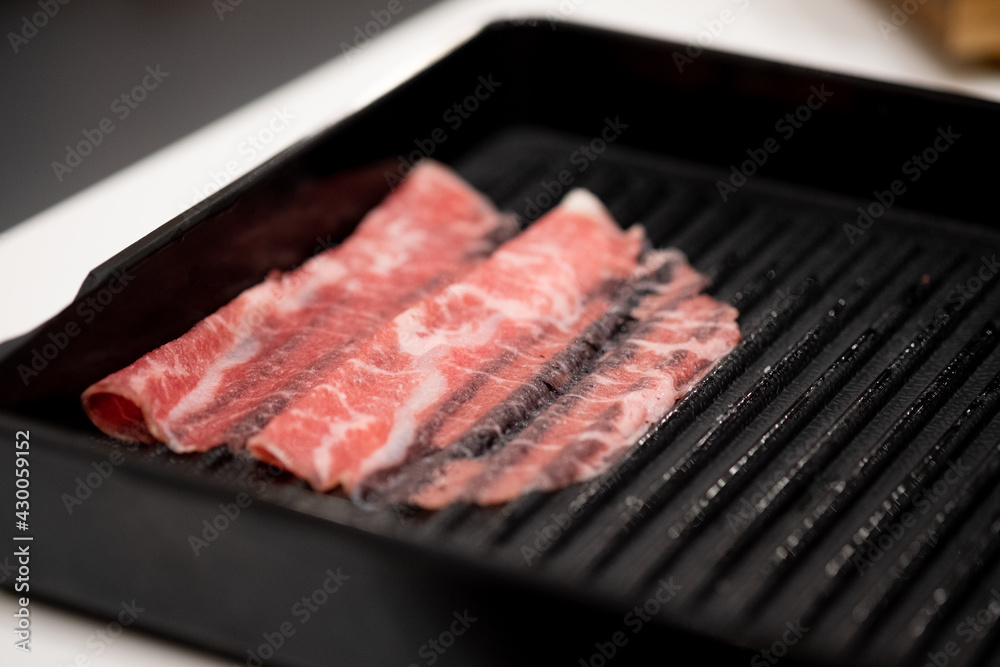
point(827, 495)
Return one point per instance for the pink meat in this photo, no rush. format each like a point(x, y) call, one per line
point(536, 385)
point(368, 412)
point(230, 374)
point(631, 388)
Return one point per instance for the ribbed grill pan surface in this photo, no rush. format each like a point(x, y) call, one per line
point(830, 489)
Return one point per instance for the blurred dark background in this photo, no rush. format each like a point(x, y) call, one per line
point(62, 66)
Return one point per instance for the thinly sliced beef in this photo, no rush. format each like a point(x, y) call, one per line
point(632, 387)
point(439, 367)
point(235, 370)
point(540, 384)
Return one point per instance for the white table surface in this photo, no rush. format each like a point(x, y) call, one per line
point(48, 256)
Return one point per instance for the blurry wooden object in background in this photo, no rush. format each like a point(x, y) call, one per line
point(968, 29)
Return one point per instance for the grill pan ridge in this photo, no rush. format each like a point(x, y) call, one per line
point(830, 489)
